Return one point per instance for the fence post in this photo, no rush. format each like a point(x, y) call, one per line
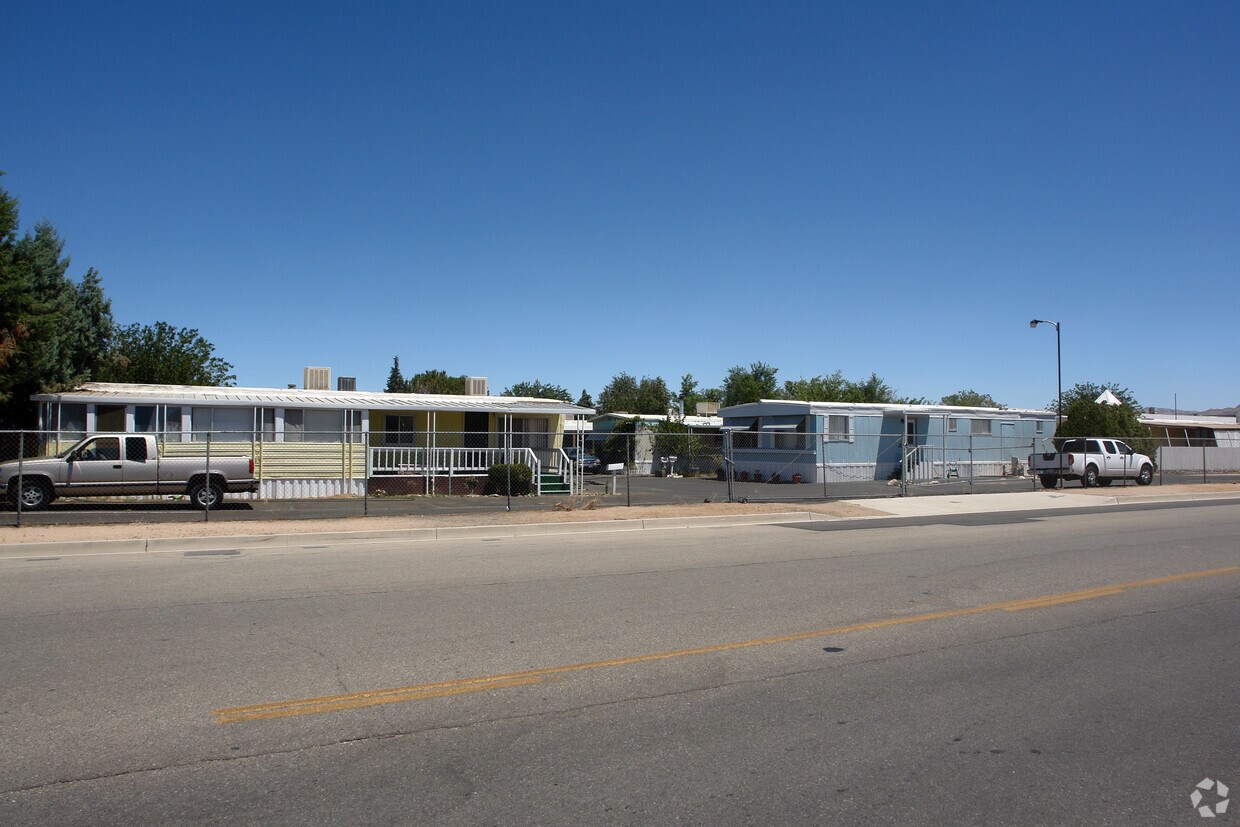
point(1033, 450)
point(970, 462)
point(21, 455)
point(904, 469)
point(206, 498)
point(628, 471)
point(824, 445)
point(1203, 461)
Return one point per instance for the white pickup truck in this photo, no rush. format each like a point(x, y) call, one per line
point(1093, 462)
point(105, 465)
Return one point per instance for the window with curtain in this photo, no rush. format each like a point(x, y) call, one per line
point(72, 420)
point(294, 424)
point(324, 426)
point(839, 428)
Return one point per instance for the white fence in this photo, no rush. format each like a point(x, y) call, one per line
point(1208, 460)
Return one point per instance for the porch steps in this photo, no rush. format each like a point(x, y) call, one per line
point(553, 484)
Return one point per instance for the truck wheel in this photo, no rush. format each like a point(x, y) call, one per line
point(1091, 476)
point(1146, 476)
point(35, 495)
point(205, 496)
point(1049, 480)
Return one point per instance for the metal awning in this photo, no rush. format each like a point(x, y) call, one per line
point(133, 394)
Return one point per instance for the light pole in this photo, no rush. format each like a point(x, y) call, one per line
point(1059, 378)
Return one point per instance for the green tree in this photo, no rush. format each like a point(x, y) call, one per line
point(872, 390)
point(538, 390)
point(620, 394)
point(584, 400)
point(674, 439)
point(1084, 417)
point(396, 382)
point(54, 333)
point(689, 394)
point(971, 399)
point(626, 394)
point(653, 396)
point(750, 384)
point(164, 354)
point(829, 387)
point(619, 445)
point(437, 382)
point(1089, 391)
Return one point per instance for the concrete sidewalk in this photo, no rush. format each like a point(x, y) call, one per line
point(911, 507)
point(1029, 501)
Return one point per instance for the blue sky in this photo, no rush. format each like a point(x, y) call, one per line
point(565, 191)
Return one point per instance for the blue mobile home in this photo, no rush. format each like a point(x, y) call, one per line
point(845, 442)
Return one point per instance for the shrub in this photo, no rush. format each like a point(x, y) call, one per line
point(522, 477)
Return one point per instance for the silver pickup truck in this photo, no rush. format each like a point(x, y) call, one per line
point(1093, 462)
point(121, 464)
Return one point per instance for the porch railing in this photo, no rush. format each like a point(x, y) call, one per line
point(451, 462)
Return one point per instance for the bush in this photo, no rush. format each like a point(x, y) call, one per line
point(522, 477)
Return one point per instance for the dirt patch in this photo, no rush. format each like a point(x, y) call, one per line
point(131, 531)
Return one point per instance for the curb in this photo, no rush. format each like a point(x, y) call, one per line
point(165, 545)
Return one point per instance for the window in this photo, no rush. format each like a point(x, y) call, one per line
point(294, 424)
point(1039, 427)
point(747, 438)
point(223, 424)
point(324, 426)
point(72, 420)
point(981, 426)
point(171, 418)
point(531, 432)
point(268, 425)
point(953, 425)
point(793, 440)
point(1109, 446)
point(839, 428)
point(144, 419)
point(110, 418)
point(135, 448)
point(397, 430)
point(103, 449)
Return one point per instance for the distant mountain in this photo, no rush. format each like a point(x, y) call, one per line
point(1234, 410)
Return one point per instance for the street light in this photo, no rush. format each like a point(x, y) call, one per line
point(1058, 369)
point(1059, 376)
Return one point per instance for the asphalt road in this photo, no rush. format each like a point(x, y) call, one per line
point(1014, 670)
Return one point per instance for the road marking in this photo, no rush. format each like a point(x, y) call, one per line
point(462, 686)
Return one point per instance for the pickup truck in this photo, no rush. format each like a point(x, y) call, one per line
point(121, 464)
point(1093, 462)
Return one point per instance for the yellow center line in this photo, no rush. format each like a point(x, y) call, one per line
point(441, 689)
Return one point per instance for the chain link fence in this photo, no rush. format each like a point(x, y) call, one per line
point(353, 472)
